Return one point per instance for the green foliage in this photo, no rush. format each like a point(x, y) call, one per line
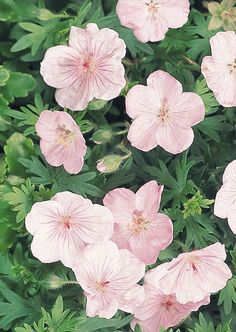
point(60, 320)
point(204, 325)
point(36, 297)
point(17, 146)
point(28, 115)
point(228, 296)
point(195, 204)
point(14, 85)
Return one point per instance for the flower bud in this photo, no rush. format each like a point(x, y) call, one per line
point(109, 164)
point(45, 14)
point(54, 282)
point(97, 104)
point(102, 136)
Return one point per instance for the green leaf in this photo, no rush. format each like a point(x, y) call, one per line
point(4, 76)
point(228, 296)
point(28, 115)
point(17, 146)
point(18, 85)
point(96, 323)
point(14, 307)
point(207, 96)
point(200, 232)
point(21, 199)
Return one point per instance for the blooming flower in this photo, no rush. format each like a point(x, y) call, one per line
point(219, 69)
point(163, 115)
point(194, 275)
point(160, 310)
point(62, 142)
point(109, 277)
point(225, 202)
point(138, 225)
point(63, 226)
point(151, 19)
point(223, 15)
point(90, 67)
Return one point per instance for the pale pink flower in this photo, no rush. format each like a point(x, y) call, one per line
point(160, 310)
point(63, 226)
point(225, 202)
point(151, 19)
point(90, 67)
point(219, 69)
point(139, 227)
point(109, 277)
point(62, 142)
point(194, 275)
point(163, 115)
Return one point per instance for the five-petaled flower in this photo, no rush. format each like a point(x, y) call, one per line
point(194, 275)
point(62, 142)
point(160, 310)
point(139, 227)
point(63, 226)
point(109, 277)
point(90, 67)
point(225, 202)
point(163, 115)
point(219, 69)
point(151, 19)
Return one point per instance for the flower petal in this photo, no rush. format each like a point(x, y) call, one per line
point(173, 139)
point(59, 66)
point(142, 132)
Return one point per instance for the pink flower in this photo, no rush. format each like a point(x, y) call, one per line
point(90, 67)
point(225, 202)
point(109, 278)
point(163, 115)
point(219, 69)
point(160, 310)
point(138, 225)
point(194, 275)
point(63, 226)
point(151, 19)
point(62, 142)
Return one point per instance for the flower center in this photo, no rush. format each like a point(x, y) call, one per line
point(66, 221)
point(152, 6)
point(163, 111)
point(167, 302)
point(64, 135)
point(101, 286)
point(232, 67)
point(228, 15)
point(193, 263)
point(138, 223)
point(89, 65)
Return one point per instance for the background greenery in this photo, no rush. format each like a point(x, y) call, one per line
point(36, 297)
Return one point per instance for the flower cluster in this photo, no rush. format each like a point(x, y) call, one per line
point(108, 246)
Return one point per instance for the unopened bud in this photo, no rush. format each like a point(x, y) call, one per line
point(102, 136)
point(109, 164)
point(14, 180)
point(97, 104)
point(45, 14)
point(54, 282)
